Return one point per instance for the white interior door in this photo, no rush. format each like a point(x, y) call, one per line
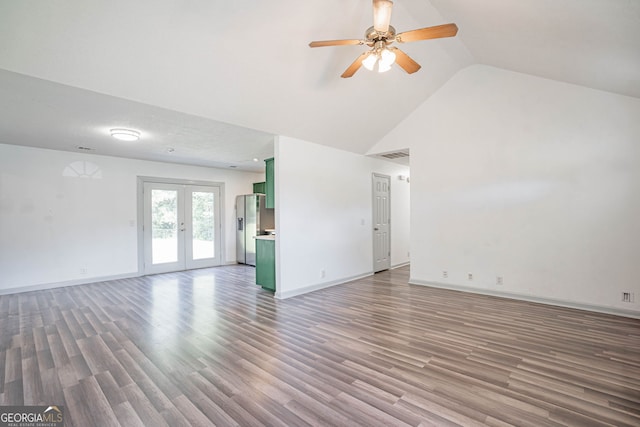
point(181, 227)
point(381, 222)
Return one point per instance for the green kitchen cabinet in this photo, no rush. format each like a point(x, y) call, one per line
point(270, 190)
point(266, 263)
point(259, 188)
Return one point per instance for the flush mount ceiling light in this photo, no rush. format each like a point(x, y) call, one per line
point(125, 134)
point(381, 36)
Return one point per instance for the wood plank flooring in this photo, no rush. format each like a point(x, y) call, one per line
point(208, 347)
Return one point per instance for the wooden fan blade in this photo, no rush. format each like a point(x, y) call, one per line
point(354, 67)
point(405, 61)
point(437, 32)
point(335, 43)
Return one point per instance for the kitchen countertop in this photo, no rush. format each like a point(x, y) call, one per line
point(266, 237)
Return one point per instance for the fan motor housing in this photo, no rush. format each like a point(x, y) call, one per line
point(372, 35)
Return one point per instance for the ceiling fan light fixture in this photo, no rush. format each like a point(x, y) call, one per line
point(383, 67)
point(387, 58)
point(380, 60)
point(125, 134)
point(370, 61)
point(382, 15)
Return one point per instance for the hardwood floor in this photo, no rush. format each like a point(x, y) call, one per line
point(208, 347)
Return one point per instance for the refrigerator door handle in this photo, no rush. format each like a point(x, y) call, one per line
point(240, 224)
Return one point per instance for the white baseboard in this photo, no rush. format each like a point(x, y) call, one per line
point(46, 286)
point(318, 286)
point(402, 264)
point(530, 298)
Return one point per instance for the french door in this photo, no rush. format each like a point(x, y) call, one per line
point(181, 227)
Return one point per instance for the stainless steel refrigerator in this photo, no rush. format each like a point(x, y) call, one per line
point(252, 218)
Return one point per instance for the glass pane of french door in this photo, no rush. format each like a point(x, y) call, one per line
point(203, 222)
point(203, 225)
point(164, 226)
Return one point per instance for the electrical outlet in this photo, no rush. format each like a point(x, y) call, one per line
point(499, 280)
point(469, 276)
point(83, 270)
point(445, 274)
point(322, 274)
point(627, 296)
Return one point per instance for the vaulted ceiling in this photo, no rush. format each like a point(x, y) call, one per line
point(215, 80)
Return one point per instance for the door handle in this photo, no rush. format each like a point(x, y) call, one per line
point(376, 229)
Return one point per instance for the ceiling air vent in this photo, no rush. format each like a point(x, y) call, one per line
point(395, 155)
point(400, 157)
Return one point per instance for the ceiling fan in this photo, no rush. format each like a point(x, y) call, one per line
point(381, 36)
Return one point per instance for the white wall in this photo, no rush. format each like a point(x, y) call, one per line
point(324, 215)
point(53, 225)
point(533, 180)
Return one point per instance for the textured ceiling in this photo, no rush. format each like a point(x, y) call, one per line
point(217, 79)
point(40, 113)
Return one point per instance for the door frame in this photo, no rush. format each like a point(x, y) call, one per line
point(375, 175)
point(141, 180)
